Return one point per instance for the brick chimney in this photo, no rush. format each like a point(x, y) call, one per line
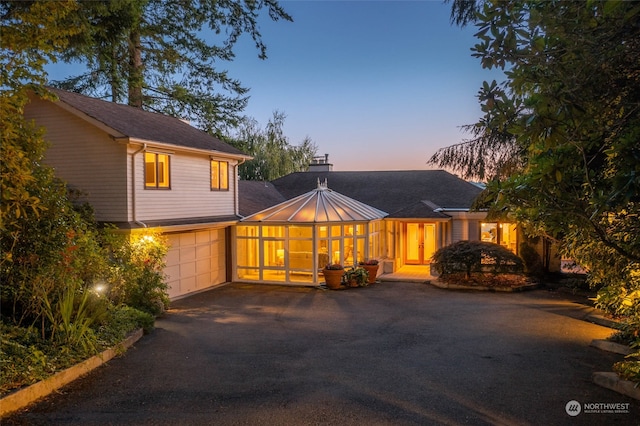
point(320, 164)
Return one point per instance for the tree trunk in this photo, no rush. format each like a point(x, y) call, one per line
point(135, 70)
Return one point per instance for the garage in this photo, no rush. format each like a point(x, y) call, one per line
point(196, 260)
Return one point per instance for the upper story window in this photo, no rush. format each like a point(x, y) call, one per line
point(219, 175)
point(156, 171)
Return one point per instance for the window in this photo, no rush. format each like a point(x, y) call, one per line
point(156, 171)
point(505, 234)
point(219, 175)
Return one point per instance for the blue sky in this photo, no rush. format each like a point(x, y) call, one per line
point(378, 85)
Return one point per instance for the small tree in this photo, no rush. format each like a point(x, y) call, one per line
point(273, 155)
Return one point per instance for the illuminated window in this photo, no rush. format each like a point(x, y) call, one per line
point(219, 175)
point(505, 234)
point(156, 171)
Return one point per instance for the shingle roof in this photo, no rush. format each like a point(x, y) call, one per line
point(140, 124)
point(390, 191)
point(419, 209)
point(320, 205)
point(254, 196)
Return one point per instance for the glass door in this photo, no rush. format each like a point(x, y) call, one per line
point(420, 243)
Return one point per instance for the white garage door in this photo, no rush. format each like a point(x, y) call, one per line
point(195, 261)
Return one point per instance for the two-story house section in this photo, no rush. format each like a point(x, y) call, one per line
point(141, 170)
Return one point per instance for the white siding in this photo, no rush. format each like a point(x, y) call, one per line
point(190, 195)
point(86, 158)
point(195, 261)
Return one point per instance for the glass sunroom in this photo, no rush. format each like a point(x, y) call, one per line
point(290, 243)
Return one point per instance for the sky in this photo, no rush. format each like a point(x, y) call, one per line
point(377, 85)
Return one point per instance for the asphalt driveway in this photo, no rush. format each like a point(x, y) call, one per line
point(393, 353)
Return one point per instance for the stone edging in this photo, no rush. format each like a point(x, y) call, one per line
point(611, 381)
point(25, 396)
point(440, 284)
point(609, 346)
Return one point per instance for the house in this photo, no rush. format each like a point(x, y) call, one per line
point(142, 170)
point(420, 211)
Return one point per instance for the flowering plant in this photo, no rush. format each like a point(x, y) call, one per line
point(369, 262)
point(334, 266)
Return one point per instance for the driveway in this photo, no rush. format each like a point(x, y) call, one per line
point(390, 354)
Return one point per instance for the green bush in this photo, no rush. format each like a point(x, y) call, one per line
point(475, 257)
point(136, 276)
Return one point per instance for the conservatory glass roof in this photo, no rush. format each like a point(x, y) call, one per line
point(317, 206)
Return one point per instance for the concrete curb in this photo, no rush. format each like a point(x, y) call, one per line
point(25, 396)
point(603, 321)
point(609, 346)
point(440, 284)
point(612, 381)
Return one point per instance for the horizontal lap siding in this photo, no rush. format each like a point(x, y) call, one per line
point(190, 194)
point(86, 158)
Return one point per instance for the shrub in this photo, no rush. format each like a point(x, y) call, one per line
point(475, 256)
point(136, 276)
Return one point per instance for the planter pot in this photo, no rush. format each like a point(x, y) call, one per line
point(333, 277)
point(373, 271)
point(353, 283)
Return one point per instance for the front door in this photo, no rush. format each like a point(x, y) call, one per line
point(420, 243)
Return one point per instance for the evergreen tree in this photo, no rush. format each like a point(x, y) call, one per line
point(166, 56)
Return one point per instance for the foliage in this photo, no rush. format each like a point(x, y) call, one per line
point(136, 277)
point(71, 319)
point(463, 12)
point(334, 267)
point(51, 252)
point(165, 56)
point(28, 41)
point(559, 138)
point(532, 261)
point(369, 262)
point(273, 155)
point(121, 320)
point(25, 357)
point(629, 369)
point(475, 256)
point(45, 254)
point(359, 275)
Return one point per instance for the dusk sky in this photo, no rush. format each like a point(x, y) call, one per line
point(378, 85)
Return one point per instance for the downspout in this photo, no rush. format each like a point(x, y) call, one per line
point(133, 186)
point(231, 269)
point(235, 187)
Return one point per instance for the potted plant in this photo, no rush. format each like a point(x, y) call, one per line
point(333, 275)
point(357, 277)
point(371, 265)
